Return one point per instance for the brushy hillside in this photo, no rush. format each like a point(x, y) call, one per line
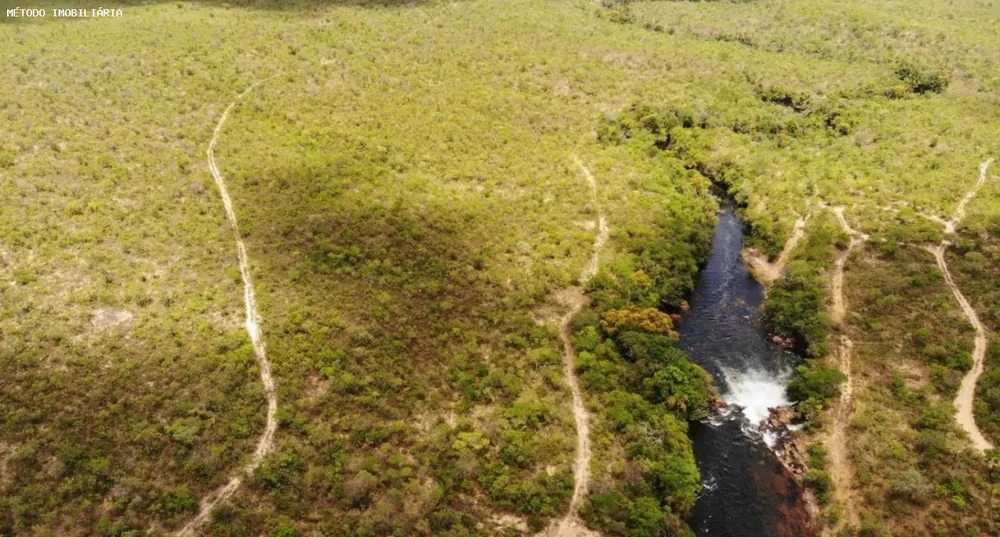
point(407, 191)
point(406, 186)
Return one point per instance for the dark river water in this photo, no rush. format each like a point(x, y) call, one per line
point(747, 492)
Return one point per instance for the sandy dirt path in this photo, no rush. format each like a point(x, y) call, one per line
point(839, 309)
point(575, 299)
point(967, 391)
point(266, 443)
point(949, 226)
point(763, 270)
point(841, 470)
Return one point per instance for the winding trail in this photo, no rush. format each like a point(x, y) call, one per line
point(266, 443)
point(949, 226)
point(575, 298)
point(967, 391)
point(840, 464)
point(837, 285)
point(766, 272)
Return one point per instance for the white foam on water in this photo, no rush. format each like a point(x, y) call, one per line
point(708, 485)
point(755, 391)
point(723, 415)
point(771, 438)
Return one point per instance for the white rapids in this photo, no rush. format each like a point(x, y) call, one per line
point(755, 392)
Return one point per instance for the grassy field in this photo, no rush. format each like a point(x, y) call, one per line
point(406, 186)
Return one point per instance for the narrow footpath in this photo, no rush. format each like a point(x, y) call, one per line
point(841, 469)
point(967, 391)
point(575, 298)
point(266, 443)
point(766, 272)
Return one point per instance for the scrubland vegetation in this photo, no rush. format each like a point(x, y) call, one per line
point(406, 189)
point(912, 464)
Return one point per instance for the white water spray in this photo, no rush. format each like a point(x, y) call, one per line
point(755, 391)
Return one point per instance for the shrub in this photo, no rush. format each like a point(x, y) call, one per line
point(180, 500)
point(872, 527)
point(794, 308)
point(912, 486)
point(935, 417)
point(817, 455)
point(184, 430)
point(285, 528)
point(920, 80)
point(648, 320)
point(897, 91)
point(515, 449)
point(816, 381)
point(276, 470)
point(821, 482)
point(784, 97)
point(357, 488)
point(24, 276)
point(932, 444)
point(646, 518)
point(7, 158)
point(683, 387)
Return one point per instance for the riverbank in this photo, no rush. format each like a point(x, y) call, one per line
point(749, 489)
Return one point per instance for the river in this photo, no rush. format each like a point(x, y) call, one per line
point(747, 492)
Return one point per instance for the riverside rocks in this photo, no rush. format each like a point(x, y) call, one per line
point(786, 446)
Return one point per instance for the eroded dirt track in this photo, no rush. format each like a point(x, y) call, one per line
point(767, 272)
point(841, 469)
point(967, 390)
point(266, 442)
point(575, 299)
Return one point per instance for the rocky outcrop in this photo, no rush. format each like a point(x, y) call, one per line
point(779, 429)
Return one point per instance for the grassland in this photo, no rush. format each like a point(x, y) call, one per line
point(406, 189)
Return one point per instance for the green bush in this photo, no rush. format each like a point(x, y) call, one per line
point(817, 381)
point(785, 97)
point(795, 307)
point(820, 482)
point(921, 80)
point(815, 386)
point(912, 486)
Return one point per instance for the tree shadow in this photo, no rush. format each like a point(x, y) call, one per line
point(379, 304)
point(409, 274)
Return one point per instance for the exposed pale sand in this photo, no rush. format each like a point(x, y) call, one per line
point(266, 443)
point(763, 270)
point(108, 317)
point(575, 299)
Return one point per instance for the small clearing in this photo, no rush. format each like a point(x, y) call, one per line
point(104, 318)
point(266, 443)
